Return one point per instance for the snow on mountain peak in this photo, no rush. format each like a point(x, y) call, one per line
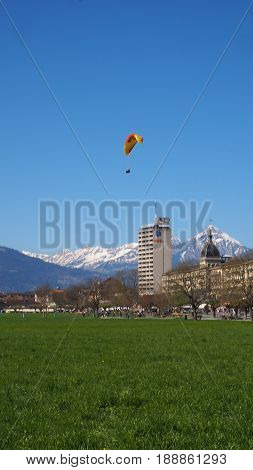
point(110, 260)
point(94, 257)
point(227, 245)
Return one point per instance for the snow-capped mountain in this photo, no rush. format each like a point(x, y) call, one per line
point(104, 260)
point(111, 260)
point(122, 257)
point(227, 245)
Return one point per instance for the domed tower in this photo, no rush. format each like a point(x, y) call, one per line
point(210, 255)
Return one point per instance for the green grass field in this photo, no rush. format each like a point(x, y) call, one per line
point(69, 383)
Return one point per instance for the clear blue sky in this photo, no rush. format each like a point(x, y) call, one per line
point(118, 67)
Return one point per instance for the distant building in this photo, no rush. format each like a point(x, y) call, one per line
point(210, 255)
point(154, 255)
point(214, 272)
point(22, 299)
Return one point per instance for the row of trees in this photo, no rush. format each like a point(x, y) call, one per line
point(121, 291)
point(191, 286)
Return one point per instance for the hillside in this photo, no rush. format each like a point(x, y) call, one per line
point(19, 272)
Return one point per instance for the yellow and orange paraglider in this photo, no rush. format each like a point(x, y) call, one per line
point(130, 142)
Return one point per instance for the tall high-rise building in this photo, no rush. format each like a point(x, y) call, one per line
point(154, 255)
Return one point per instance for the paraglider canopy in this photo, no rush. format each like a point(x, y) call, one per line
point(131, 141)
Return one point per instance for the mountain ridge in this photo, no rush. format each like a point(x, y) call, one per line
point(27, 271)
point(110, 260)
point(21, 273)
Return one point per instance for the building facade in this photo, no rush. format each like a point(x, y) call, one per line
point(212, 279)
point(154, 255)
point(213, 275)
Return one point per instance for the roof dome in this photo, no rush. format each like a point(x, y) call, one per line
point(210, 250)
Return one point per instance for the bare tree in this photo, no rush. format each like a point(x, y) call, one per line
point(239, 288)
point(2, 302)
point(95, 295)
point(160, 301)
point(176, 298)
point(191, 284)
point(43, 298)
point(232, 296)
point(77, 296)
point(121, 290)
point(147, 301)
point(214, 300)
point(59, 297)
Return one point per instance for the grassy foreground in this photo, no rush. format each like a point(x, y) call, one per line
point(125, 384)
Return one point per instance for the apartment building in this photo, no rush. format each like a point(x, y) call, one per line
point(154, 255)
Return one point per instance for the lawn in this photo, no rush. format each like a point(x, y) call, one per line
point(75, 383)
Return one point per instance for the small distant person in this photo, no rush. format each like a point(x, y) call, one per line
point(127, 171)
